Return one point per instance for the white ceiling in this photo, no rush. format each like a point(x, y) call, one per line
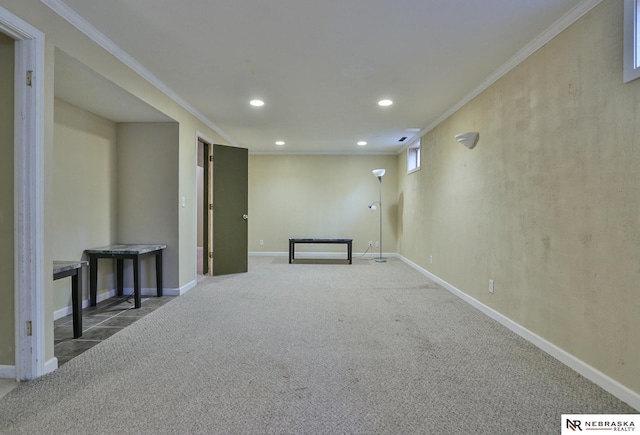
point(321, 65)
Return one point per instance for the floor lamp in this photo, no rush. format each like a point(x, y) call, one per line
point(379, 173)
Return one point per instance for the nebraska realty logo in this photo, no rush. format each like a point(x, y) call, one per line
point(572, 423)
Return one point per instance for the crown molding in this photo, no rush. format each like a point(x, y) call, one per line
point(59, 7)
point(551, 32)
point(321, 153)
point(73, 18)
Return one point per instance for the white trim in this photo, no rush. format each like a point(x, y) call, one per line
point(7, 372)
point(204, 138)
point(182, 290)
point(127, 291)
point(630, 50)
point(28, 195)
point(95, 35)
point(51, 365)
point(99, 38)
point(325, 153)
point(597, 377)
point(554, 30)
point(268, 254)
point(152, 291)
point(85, 303)
point(325, 255)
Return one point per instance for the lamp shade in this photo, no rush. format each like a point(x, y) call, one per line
point(379, 172)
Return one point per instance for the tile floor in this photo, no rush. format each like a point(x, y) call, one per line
point(99, 323)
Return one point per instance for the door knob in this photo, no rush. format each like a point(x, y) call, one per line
point(245, 217)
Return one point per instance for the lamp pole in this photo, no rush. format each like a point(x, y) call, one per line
point(380, 260)
point(379, 173)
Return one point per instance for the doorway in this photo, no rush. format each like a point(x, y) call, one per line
point(204, 200)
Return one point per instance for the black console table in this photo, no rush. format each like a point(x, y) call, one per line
point(121, 253)
point(292, 246)
point(63, 269)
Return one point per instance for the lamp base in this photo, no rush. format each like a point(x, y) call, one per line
point(381, 260)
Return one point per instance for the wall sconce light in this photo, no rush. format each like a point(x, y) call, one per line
point(469, 139)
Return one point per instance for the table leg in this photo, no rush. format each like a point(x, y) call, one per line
point(76, 302)
point(93, 279)
point(292, 247)
point(349, 252)
point(159, 273)
point(136, 281)
point(120, 276)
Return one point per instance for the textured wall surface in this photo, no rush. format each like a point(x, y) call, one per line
point(548, 202)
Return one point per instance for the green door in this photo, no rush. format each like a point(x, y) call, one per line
point(230, 205)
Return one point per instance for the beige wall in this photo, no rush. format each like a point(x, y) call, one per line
point(84, 192)
point(7, 340)
point(319, 196)
point(147, 174)
point(62, 35)
point(548, 203)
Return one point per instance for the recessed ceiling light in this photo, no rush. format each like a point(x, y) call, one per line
point(280, 142)
point(362, 143)
point(256, 103)
point(385, 103)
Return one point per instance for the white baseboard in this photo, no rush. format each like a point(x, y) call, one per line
point(321, 255)
point(62, 312)
point(150, 291)
point(268, 254)
point(7, 372)
point(182, 290)
point(614, 387)
point(51, 365)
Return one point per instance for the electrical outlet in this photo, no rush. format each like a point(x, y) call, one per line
point(377, 244)
point(261, 242)
point(490, 286)
point(370, 243)
point(430, 259)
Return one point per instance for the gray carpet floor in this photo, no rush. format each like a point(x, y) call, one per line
point(368, 348)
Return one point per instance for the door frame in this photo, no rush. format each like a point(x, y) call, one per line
point(207, 221)
point(28, 203)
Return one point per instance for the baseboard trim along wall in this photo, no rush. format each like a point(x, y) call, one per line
point(182, 290)
point(146, 291)
point(320, 255)
point(7, 372)
point(605, 382)
point(51, 365)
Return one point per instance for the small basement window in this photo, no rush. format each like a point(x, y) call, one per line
point(414, 156)
point(631, 40)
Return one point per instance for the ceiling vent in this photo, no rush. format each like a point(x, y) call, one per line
point(402, 139)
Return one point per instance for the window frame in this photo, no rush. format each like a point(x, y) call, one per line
point(631, 43)
point(414, 156)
